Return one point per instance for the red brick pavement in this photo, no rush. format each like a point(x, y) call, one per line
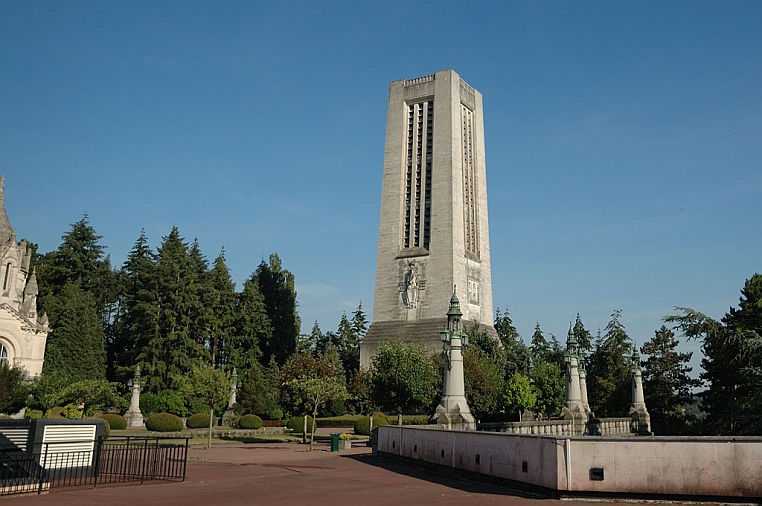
point(282, 474)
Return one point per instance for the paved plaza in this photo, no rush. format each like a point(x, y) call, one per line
point(276, 474)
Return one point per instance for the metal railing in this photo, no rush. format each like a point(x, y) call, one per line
point(47, 466)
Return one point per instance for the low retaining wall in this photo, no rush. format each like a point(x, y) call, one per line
point(645, 466)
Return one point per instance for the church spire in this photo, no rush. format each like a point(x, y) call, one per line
point(6, 230)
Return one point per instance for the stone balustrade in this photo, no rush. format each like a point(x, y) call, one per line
point(593, 427)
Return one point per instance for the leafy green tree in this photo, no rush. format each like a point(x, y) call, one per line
point(46, 389)
point(484, 365)
point(296, 371)
point(277, 286)
point(213, 387)
point(403, 378)
point(608, 372)
point(94, 394)
point(14, 388)
point(667, 385)
point(358, 393)
point(516, 352)
point(75, 347)
point(519, 394)
point(549, 381)
point(316, 391)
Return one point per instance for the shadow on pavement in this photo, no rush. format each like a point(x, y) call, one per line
point(455, 482)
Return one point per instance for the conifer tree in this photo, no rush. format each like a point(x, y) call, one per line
point(220, 308)
point(75, 347)
point(80, 260)
point(277, 286)
point(608, 371)
point(252, 327)
point(137, 322)
point(516, 352)
point(584, 339)
point(348, 345)
point(540, 348)
point(175, 350)
point(359, 323)
point(732, 362)
point(667, 385)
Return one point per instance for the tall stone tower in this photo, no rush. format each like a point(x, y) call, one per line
point(434, 234)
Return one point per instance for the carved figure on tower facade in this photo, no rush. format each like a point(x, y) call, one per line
point(410, 292)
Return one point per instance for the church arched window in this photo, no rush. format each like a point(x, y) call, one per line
point(3, 354)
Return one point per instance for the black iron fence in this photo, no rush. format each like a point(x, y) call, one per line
point(50, 465)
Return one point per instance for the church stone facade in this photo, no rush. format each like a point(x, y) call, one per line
point(23, 332)
point(433, 235)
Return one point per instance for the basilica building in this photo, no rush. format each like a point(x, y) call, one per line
point(23, 332)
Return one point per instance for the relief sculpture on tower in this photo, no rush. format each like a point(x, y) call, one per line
point(410, 286)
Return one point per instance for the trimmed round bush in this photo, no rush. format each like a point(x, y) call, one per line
point(362, 426)
point(198, 421)
point(116, 422)
point(106, 430)
point(250, 422)
point(164, 422)
point(296, 424)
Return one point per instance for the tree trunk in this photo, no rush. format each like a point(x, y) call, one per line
point(312, 435)
point(304, 430)
point(211, 421)
point(399, 418)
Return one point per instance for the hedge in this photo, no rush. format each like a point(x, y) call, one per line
point(296, 424)
point(250, 422)
point(362, 426)
point(198, 421)
point(116, 422)
point(164, 422)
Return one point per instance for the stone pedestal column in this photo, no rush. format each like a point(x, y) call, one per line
point(453, 411)
point(133, 415)
point(583, 388)
point(641, 420)
point(574, 408)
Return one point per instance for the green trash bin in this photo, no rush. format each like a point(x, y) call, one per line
point(334, 442)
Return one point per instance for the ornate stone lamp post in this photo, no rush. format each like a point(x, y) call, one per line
point(133, 415)
point(574, 409)
point(641, 420)
point(453, 411)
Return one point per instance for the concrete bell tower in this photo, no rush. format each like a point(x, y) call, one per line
point(434, 232)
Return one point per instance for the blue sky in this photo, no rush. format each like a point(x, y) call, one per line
point(623, 140)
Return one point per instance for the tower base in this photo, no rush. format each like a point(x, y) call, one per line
point(425, 333)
